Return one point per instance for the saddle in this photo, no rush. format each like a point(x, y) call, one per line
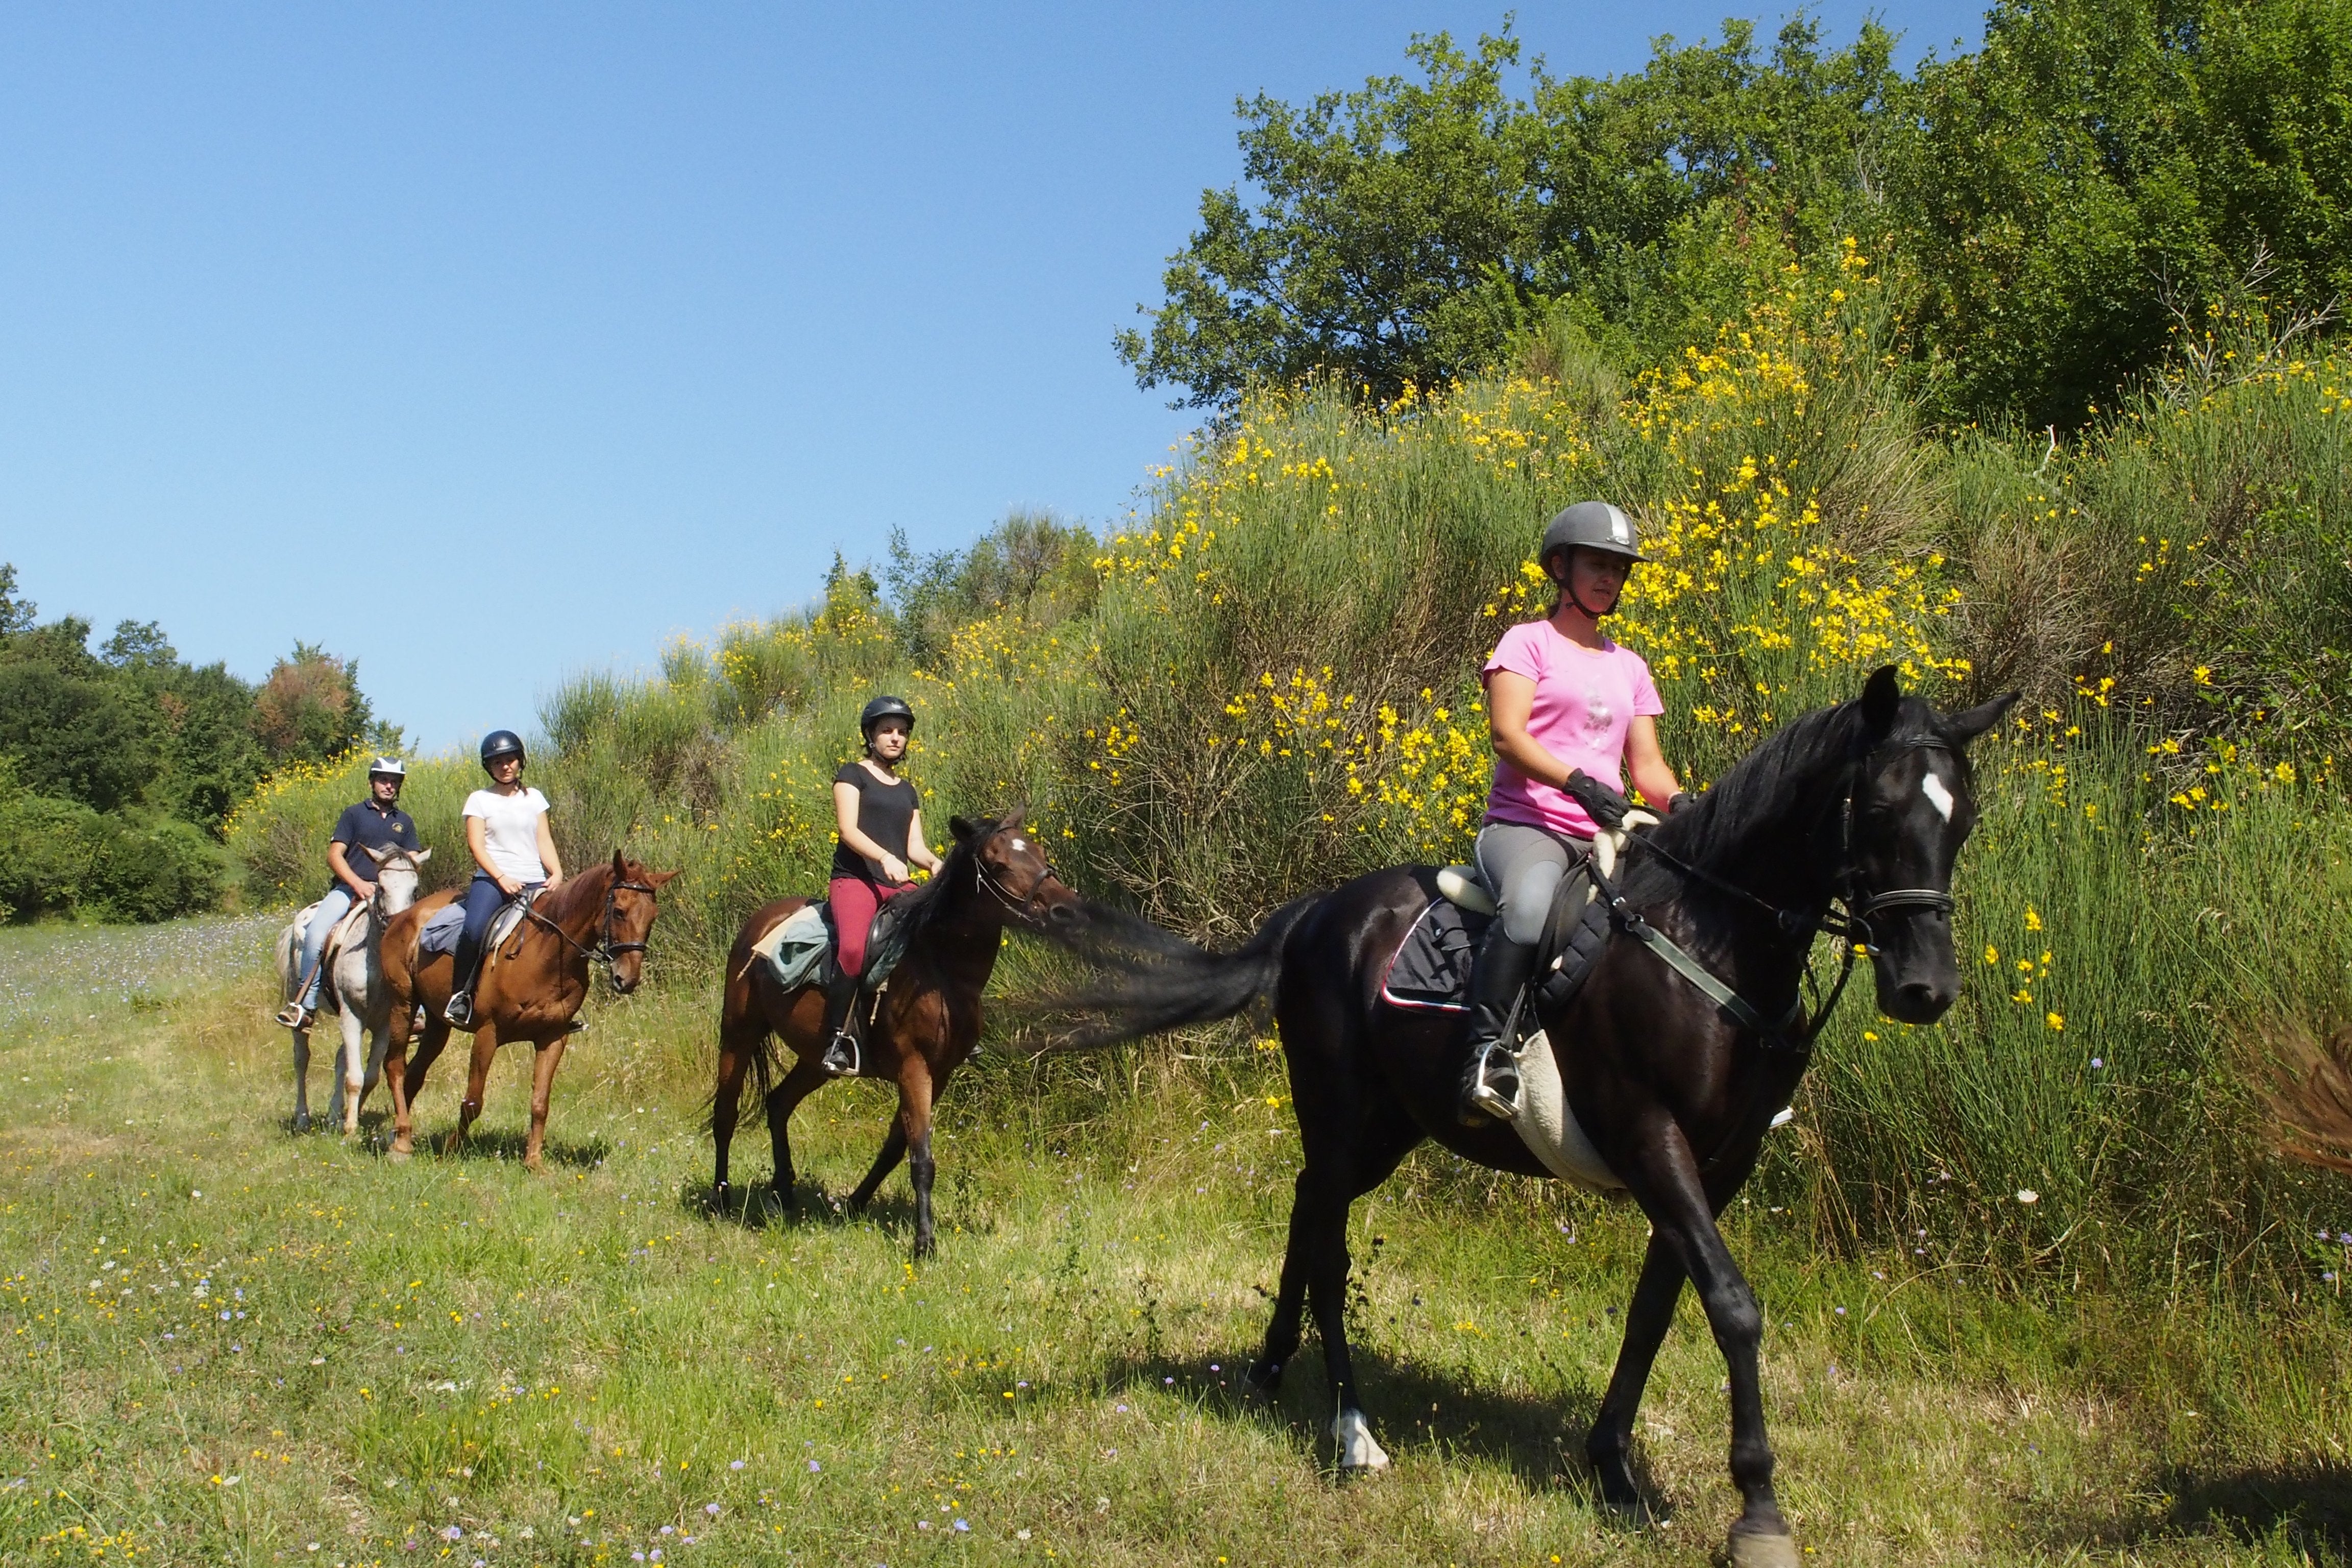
point(1430, 972)
point(442, 928)
point(351, 928)
point(800, 949)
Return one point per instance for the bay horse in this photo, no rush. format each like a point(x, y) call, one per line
point(531, 991)
point(926, 1020)
point(1865, 804)
point(354, 986)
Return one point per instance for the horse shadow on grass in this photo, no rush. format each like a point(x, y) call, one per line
point(479, 1145)
point(2306, 1506)
point(1415, 1409)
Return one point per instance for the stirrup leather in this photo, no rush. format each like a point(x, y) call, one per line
point(1495, 1082)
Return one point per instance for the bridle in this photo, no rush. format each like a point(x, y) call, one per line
point(606, 950)
point(1850, 924)
point(1025, 909)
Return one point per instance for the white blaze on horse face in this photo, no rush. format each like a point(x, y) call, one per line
point(1020, 844)
point(1938, 793)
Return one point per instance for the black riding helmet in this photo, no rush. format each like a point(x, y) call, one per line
point(882, 707)
point(501, 743)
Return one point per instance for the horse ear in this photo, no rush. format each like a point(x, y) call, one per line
point(420, 856)
point(1880, 699)
point(962, 828)
point(379, 853)
point(1012, 818)
point(660, 879)
point(620, 868)
point(1969, 722)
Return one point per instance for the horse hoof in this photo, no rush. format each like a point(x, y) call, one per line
point(1358, 1452)
point(1262, 1377)
point(1762, 1548)
point(535, 1165)
point(301, 1121)
point(399, 1152)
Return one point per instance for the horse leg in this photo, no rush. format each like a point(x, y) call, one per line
point(739, 1040)
point(407, 1078)
point(808, 1076)
point(1328, 1187)
point(548, 1057)
point(350, 1081)
point(910, 1135)
point(1652, 1313)
point(301, 1080)
point(1667, 1184)
point(478, 1083)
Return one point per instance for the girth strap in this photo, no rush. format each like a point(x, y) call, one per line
point(1716, 991)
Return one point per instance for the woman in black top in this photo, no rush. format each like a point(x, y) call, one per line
point(881, 823)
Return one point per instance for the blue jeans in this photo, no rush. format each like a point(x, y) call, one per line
point(483, 902)
point(331, 910)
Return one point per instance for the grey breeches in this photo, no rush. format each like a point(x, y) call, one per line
point(1522, 867)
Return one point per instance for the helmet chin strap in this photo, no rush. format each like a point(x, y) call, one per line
point(1568, 589)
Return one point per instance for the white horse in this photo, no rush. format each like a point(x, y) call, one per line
point(354, 988)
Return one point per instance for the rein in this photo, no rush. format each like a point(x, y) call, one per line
point(606, 950)
point(1023, 909)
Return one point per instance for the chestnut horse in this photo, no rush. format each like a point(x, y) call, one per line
point(531, 990)
point(926, 1020)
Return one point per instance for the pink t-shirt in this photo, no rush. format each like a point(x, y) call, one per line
point(1585, 702)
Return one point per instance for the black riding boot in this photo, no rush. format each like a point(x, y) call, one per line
point(843, 1055)
point(465, 967)
point(1490, 1076)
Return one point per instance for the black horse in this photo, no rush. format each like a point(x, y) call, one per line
point(1865, 805)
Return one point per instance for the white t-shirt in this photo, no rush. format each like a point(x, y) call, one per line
point(510, 830)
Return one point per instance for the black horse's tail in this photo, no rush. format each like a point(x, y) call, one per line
point(1146, 982)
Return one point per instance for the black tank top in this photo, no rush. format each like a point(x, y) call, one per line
point(886, 814)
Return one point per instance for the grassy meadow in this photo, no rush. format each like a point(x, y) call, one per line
point(228, 1343)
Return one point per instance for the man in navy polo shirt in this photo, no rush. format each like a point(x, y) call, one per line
point(375, 823)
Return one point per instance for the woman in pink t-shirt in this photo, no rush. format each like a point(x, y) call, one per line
point(1559, 697)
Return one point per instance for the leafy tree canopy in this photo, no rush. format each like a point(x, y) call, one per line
point(2045, 204)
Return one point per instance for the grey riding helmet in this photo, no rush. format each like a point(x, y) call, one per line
point(501, 743)
point(1591, 525)
point(387, 768)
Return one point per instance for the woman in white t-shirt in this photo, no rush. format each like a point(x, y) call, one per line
point(506, 828)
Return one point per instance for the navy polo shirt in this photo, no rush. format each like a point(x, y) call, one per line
point(370, 825)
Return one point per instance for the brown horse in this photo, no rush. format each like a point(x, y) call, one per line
point(530, 989)
point(926, 1020)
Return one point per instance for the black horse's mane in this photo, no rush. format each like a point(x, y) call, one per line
point(1770, 786)
point(923, 908)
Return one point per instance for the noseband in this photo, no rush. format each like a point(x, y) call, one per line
point(1024, 909)
point(606, 950)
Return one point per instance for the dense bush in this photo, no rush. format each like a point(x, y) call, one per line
point(60, 856)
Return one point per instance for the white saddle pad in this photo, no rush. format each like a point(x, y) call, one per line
point(1548, 1128)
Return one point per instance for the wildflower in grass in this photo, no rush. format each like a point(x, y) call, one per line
point(2055, 1020)
point(2028, 1196)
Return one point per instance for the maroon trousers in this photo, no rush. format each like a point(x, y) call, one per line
point(854, 903)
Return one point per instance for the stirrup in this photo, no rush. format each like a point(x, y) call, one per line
point(843, 1057)
point(460, 1010)
point(295, 1015)
point(1495, 1085)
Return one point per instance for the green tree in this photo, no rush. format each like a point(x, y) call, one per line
point(2102, 168)
point(310, 708)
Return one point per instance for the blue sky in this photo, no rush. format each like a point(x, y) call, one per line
point(489, 344)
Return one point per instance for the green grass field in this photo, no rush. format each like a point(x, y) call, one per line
point(227, 1343)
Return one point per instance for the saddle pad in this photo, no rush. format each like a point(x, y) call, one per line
point(1430, 971)
point(441, 928)
point(1548, 1128)
point(798, 949)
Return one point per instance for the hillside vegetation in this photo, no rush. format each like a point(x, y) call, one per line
point(1264, 683)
